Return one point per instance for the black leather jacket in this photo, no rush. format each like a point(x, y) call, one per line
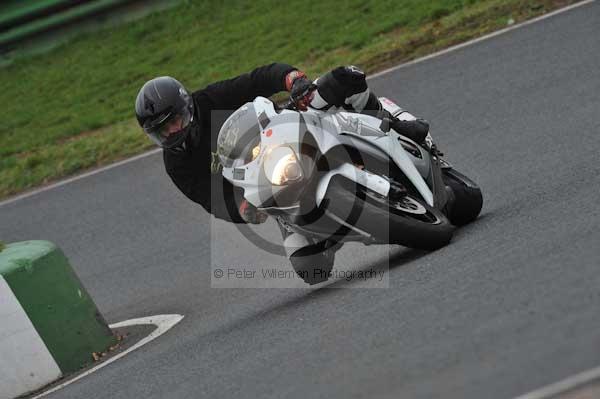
point(194, 168)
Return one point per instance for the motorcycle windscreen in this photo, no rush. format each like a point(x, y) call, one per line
point(238, 136)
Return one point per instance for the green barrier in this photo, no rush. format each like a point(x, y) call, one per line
point(53, 298)
point(69, 15)
point(13, 13)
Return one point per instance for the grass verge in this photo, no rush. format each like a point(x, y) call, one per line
point(89, 84)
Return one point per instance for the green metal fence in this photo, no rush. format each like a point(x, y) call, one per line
point(23, 19)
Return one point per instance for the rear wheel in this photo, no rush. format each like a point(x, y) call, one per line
point(403, 219)
point(467, 202)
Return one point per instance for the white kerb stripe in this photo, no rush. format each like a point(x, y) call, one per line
point(25, 362)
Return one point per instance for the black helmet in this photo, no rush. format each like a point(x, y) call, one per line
point(165, 111)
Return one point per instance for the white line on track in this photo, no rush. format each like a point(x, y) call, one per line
point(78, 177)
point(482, 38)
point(563, 386)
point(376, 75)
point(163, 324)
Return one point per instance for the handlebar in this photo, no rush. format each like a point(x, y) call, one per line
point(290, 105)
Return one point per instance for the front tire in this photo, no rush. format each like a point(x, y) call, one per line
point(407, 221)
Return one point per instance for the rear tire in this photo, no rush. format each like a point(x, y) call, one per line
point(468, 200)
point(417, 225)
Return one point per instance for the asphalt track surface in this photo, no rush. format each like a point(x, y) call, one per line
point(511, 305)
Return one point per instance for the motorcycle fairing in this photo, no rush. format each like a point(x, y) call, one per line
point(284, 128)
point(366, 128)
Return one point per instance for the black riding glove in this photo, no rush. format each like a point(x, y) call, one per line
point(250, 214)
point(301, 89)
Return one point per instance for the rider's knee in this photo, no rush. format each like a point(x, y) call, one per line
point(313, 265)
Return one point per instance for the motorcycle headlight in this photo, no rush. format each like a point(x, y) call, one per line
point(281, 166)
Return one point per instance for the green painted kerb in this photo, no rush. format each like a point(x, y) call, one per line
point(56, 302)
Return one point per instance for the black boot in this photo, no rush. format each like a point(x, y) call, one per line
point(415, 130)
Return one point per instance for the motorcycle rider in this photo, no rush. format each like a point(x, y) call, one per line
point(186, 126)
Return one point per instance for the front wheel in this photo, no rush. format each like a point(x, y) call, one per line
point(405, 220)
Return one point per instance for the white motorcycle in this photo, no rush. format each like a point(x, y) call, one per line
point(345, 176)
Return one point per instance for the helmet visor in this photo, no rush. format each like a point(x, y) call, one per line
point(170, 130)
